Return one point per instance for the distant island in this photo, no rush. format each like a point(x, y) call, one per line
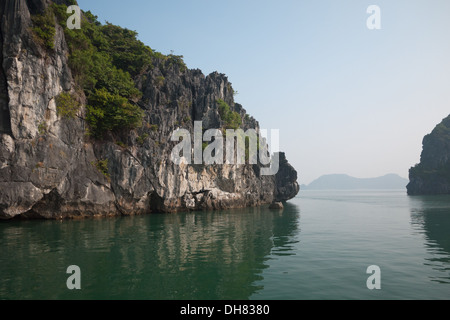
point(346, 182)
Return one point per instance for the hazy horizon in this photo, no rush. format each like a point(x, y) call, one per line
point(345, 174)
point(345, 98)
point(342, 175)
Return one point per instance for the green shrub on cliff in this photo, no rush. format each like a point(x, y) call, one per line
point(174, 60)
point(66, 105)
point(232, 119)
point(128, 53)
point(111, 112)
point(44, 28)
point(102, 167)
point(93, 68)
point(99, 60)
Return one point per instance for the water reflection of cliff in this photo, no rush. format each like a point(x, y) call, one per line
point(211, 255)
point(218, 255)
point(431, 215)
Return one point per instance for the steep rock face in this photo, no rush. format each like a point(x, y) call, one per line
point(48, 164)
point(42, 157)
point(286, 186)
point(432, 174)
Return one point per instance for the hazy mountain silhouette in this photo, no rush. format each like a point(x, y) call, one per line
point(343, 181)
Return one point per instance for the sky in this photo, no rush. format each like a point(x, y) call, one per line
point(345, 98)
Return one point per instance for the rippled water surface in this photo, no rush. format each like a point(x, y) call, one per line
point(319, 247)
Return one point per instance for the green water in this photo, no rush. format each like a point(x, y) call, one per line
point(319, 247)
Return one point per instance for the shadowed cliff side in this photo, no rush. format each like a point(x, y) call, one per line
point(432, 174)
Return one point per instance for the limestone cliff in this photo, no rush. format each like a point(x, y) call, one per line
point(432, 174)
point(48, 165)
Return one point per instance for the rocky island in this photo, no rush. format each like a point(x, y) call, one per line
point(86, 118)
point(432, 174)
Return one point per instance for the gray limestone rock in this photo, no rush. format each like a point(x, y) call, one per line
point(48, 166)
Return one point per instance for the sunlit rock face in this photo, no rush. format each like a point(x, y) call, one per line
point(48, 163)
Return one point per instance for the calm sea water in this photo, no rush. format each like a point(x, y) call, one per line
point(319, 247)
